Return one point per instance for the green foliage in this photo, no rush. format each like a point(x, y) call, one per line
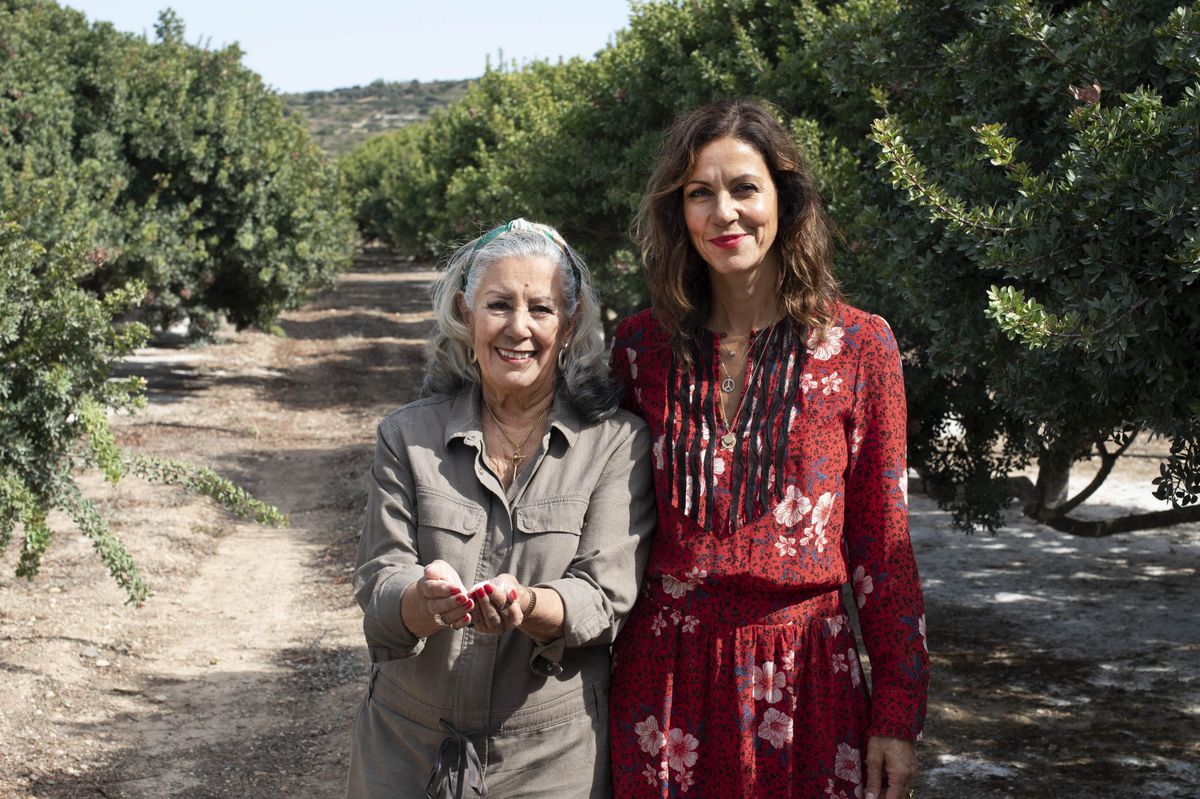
point(174, 161)
point(1013, 185)
point(111, 551)
point(386, 182)
point(1065, 149)
point(1026, 319)
point(57, 343)
point(158, 178)
point(570, 144)
point(205, 482)
point(57, 346)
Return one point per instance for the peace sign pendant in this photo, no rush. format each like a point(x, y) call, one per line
point(727, 385)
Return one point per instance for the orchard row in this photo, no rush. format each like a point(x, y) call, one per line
point(1014, 186)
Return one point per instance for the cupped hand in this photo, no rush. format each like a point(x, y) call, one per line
point(498, 603)
point(895, 757)
point(442, 591)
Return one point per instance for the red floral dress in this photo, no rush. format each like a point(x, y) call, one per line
point(737, 673)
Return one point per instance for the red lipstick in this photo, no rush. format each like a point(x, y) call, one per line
point(728, 242)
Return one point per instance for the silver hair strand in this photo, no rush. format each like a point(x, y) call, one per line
point(449, 368)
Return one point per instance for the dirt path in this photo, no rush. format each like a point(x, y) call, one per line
point(1062, 667)
point(240, 676)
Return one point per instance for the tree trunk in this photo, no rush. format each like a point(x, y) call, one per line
point(1050, 491)
point(1047, 500)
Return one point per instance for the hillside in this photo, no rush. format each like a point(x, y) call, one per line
point(341, 118)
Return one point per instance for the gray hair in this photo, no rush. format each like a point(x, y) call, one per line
point(585, 378)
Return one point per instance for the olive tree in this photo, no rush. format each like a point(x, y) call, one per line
point(1040, 253)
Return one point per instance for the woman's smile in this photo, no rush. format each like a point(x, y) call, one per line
point(516, 356)
point(730, 241)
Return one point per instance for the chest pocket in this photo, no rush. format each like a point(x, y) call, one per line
point(561, 515)
point(444, 512)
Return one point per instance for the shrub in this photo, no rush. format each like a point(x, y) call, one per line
point(176, 160)
point(1013, 186)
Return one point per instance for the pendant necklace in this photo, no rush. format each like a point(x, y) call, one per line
point(727, 386)
point(729, 439)
point(518, 449)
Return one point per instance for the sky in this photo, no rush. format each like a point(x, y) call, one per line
point(307, 45)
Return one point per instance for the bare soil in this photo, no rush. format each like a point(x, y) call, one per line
point(1062, 667)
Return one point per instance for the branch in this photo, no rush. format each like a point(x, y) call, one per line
point(1124, 524)
point(204, 481)
point(1107, 461)
point(1026, 318)
point(909, 173)
point(112, 552)
point(1030, 26)
point(1030, 31)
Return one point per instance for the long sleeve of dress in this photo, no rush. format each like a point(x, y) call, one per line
point(883, 570)
point(387, 551)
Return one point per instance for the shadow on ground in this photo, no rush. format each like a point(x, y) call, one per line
point(1059, 665)
point(310, 729)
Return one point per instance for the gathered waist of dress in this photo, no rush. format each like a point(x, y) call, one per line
point(710, 605)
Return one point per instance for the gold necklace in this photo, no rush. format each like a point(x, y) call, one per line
point(518, 449)
point(728, 384)
point(730, 438)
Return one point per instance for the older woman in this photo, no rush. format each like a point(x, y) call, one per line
point(506, 530)
point(777, 412)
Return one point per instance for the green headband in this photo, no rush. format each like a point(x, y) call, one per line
point(522, 225)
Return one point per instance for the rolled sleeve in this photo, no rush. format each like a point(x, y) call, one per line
point(388, 560)
point(601, 585)
point(587, 613)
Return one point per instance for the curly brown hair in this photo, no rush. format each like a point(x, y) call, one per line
point(678, 278)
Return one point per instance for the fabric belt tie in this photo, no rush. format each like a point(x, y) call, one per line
point(448, 780)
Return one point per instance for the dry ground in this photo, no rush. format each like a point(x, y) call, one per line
point(1063, 667)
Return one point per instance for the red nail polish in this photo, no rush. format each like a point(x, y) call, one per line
point(466, 619)
point(470, 603)
point(461, 600)
point(487, 587)
point(454, 591)
point(512, 596)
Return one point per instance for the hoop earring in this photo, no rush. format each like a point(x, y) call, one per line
point(471, 355)
point(562, 358)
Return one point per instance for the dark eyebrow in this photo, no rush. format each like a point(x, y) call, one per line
point(735, 179)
